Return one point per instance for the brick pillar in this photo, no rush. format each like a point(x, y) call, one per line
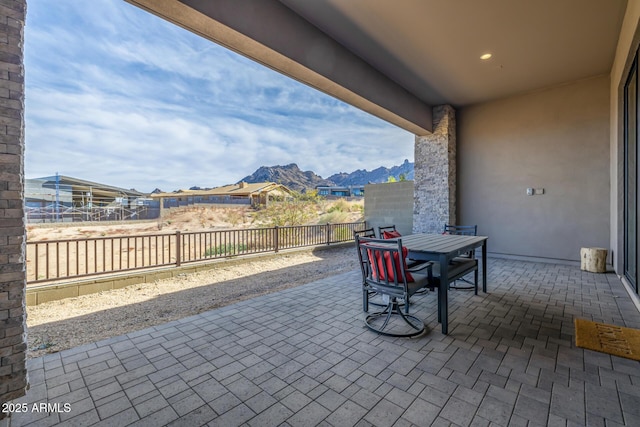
point(13, 372)
point(435, 174)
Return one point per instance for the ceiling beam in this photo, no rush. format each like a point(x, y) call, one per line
point(268, 32)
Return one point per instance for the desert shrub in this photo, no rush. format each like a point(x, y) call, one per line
point(339, 206)
point(310, 196)
point(235, 216)
point(226, 249)
point(297, 209)
point(202, 218)
point(333, 217)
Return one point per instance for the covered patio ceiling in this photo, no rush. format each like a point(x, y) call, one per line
point(397, 59)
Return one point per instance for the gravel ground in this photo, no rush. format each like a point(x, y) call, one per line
point(59, 325)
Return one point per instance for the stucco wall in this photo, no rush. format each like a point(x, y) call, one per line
point(556, 139)
point(388, 204)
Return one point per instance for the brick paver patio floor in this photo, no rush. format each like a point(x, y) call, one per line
point(302, 357)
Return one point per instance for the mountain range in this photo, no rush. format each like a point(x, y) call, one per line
point(292, 177)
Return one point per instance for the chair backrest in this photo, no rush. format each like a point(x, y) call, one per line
point(463, 230)
point(388, 232)
point(367, 232)
point(383, 265)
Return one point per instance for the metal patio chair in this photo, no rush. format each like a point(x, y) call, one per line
point(384, 271)
point(464, 230)
point(367, 232)
point(388, 232)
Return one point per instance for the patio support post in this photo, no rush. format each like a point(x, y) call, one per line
point(435, 174)
point(13, 340)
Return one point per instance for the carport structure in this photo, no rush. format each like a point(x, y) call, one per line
point(553, 109)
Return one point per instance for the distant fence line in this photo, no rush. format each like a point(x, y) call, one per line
point(74, 258)
point(66, 214)
point(150, 209)
point(176, 202)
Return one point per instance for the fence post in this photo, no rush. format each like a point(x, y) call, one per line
point(178, 249)
point(328, 233)
point(275, 239)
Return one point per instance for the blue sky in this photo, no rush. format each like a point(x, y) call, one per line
point(119, 96)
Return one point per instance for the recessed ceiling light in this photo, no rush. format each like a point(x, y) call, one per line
point(485, 56)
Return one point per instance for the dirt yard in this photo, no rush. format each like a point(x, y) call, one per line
point(195, 218)
point(60, 325)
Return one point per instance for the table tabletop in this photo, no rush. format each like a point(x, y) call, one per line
point(437, 244)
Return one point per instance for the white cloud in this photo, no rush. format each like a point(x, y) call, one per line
point(116, 95)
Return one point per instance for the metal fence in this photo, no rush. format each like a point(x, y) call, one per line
point(73, 258)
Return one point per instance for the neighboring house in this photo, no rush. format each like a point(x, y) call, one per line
point(62, 198)
point(336, 191)
point(254, 194)
point(43, 192)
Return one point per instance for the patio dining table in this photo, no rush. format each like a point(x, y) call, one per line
point(442, 248)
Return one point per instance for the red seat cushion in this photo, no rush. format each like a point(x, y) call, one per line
point(391, 234)
point(387, 258)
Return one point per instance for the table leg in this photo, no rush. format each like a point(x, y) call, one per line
point(484, 266)
point(443, 294)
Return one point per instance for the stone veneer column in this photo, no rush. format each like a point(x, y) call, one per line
point(435, 174)
point(13, 372)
